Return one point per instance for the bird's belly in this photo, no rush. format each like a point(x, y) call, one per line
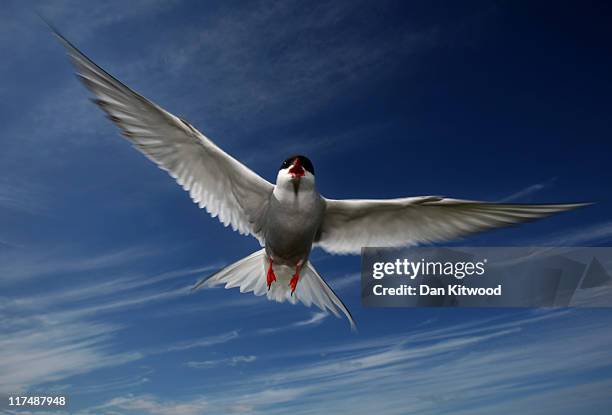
point(289, 237)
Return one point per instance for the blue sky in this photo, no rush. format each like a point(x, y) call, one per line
point(482, 100)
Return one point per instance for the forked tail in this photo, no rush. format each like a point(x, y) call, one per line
point(249, 274)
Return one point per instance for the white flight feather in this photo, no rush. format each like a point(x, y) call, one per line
point(350, 225)
point(215, 181)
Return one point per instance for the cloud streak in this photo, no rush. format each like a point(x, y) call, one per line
point(39, 349)
point(590, 234)
point(149, 404)
point(477, 365)
point(314, 320)
point(230, 361)
point(528, 191)
point(54, 334)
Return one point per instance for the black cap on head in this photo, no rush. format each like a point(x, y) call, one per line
point(304, 161)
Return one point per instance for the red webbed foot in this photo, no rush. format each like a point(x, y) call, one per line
point(294, 280)
point(270, 277)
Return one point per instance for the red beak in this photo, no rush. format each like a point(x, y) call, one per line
point(296, 170)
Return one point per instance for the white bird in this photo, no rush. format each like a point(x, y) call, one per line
point(290, 217)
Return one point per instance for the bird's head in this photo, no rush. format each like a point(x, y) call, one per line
point(296, 172)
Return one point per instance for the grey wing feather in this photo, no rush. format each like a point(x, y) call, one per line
point(350, 225)
point(215, 181)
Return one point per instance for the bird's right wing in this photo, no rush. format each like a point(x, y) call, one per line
point(349, 225)
point(215, 180)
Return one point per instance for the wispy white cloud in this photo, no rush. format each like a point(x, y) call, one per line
point(56, 113)
point(151, 405)
point(271, 396)
point(106, 385)
point(85, 20)
point(53, 334)
point(40, 349)
point(528, 191)
point(346, 281)
point(590, 234)
point(230, 361)
point(30, 264)
point(230, 71)
point(478, 366)
point(558, 400)
point(20, 23)
point(22, 198)
point(435, 362)
point(115, 287)
point(209, 307)
point(201, 342)
point(315, 319)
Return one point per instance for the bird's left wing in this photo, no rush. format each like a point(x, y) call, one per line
point(215, 180)
point(350, 225)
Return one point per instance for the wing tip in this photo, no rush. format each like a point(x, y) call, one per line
point(55, 31)
point(577, 205)
point(198, 285)
point(353, 326)
point(561, 206)
point(203, 281)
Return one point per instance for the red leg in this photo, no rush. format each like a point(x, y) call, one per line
point(294, 280)
point(270, 277)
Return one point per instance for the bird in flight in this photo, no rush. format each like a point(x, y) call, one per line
point(290, 217)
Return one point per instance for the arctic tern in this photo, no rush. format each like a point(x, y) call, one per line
point(290, 217)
